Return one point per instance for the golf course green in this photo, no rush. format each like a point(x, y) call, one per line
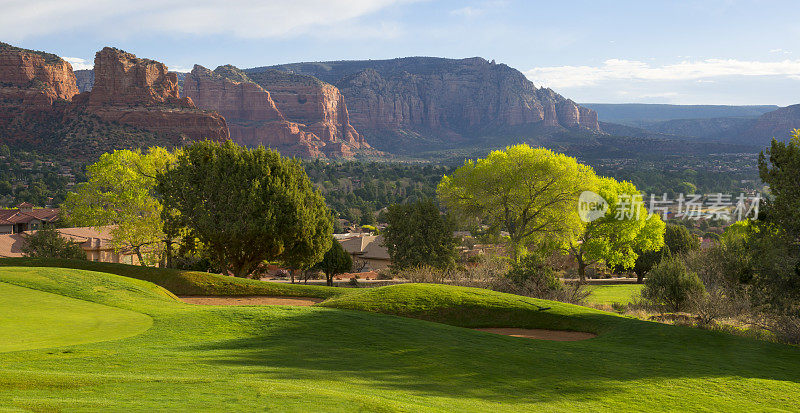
point(396, 348)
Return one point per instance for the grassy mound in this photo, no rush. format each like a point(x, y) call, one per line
point(332, 359)
point(183, 282)
point(472, 307)
point(35, 319)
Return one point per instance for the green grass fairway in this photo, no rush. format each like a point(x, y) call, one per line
point(332, 358)
point(34, 319)
point(609, 294)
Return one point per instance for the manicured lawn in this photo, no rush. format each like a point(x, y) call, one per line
point(329, 358)
point(609, 294)
point(35, 319)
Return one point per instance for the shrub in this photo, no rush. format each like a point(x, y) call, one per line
point(533, 277)
point(48, 243)
point(671, 285)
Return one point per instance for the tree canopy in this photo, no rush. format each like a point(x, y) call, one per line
point(418, 235)
point(120, 192)
point(621, 234)
point(246, 206)
point(529, 193)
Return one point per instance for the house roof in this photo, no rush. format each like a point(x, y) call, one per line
point(16, 216)
point(366, 246)
point(89, 239)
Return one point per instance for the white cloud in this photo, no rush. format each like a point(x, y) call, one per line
point(78, 63)
point(619, 69)
point(241, 18)
point(780, 51)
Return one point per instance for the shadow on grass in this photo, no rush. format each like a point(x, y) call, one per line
point(440, 360)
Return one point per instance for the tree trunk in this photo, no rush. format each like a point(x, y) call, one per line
point(329, 279)
point(639, 277)
point(582, 270)
point(138, 251)
point(291, 275)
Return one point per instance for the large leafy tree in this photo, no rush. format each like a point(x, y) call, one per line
point(418, 234)
point(246, 206)
point(530, 193)
point(335, 261)
point(621, 234)
point(120, 192)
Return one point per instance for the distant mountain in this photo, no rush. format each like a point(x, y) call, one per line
point(742, 125)
point(776, 124)
point(409, 104)
point(641, 114)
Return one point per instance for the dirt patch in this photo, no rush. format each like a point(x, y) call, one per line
point(250, 300)
point(540, 334)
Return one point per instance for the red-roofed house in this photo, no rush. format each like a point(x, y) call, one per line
point(26, 218)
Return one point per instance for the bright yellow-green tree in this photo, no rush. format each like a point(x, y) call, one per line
point(120, 192)
point(531, 193)
point(615, 237)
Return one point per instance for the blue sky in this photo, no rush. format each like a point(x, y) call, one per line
point(688, 52)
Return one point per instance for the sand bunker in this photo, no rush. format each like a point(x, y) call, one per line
point(250, 300)
point(539, 334)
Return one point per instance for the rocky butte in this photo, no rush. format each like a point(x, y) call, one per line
point(297, 115)
point(142, 93)
point(445, 101)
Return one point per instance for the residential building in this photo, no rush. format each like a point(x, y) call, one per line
point(26, 218)
point(96, 242)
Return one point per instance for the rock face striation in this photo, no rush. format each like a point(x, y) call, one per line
point(453, 100)
point(135, 104)
point(142, 93)
point(298, 115)
point(35, 90)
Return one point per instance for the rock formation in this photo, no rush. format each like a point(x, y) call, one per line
point(38, 72)
point(142, 93)
point(449, 99)
point(136, 104)
point(35, 90)
point(85, 79)
point(317, 127)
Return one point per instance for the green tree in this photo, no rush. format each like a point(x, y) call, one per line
point(120, 192)
point(624, 231)
point(48, 243)
point(680, 240)
point(246, 206)
point(779, 167)
point(335, 261)
point(418, 234)
point(529, 193)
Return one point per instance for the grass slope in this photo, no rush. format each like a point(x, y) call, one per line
point(182, 282)
point(35, 319)
point(332, 359)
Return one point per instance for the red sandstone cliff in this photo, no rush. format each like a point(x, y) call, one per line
point(142, 93)
point(254, 118)
point(439, 100)
point(313, 103)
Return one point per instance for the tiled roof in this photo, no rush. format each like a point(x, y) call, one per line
point(89, 238)
point(15, 216)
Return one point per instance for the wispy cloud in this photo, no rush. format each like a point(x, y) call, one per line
point(619, 69)
point(78, 63)
point(240, 18)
